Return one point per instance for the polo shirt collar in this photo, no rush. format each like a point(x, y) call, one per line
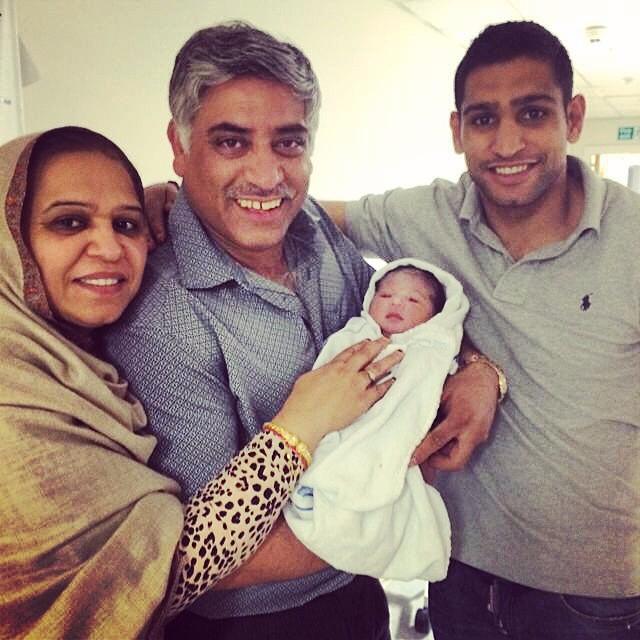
point(202, 263)
point(471, 208)
point(595, 192)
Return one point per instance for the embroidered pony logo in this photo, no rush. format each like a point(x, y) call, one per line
point(585, 303)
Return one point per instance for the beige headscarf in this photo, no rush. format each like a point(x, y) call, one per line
point(87, 530)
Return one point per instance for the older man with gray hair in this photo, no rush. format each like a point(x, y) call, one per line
point(235, 307)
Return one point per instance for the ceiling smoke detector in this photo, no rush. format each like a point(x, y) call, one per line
point(595, 33)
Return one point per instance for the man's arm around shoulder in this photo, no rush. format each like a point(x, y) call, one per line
point(336, 210)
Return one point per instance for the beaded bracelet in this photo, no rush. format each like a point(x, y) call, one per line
point(299, 447)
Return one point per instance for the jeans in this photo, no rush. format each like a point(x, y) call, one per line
point(357, 611)
point(474, 605)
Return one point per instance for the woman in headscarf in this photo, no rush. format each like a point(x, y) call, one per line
point(94, 543)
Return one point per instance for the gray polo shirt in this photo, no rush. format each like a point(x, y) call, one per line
point(552, 500)
point(212, 350)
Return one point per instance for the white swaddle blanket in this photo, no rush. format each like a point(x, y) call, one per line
point(358, 506)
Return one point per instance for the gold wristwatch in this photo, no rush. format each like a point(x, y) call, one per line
point(503, 387)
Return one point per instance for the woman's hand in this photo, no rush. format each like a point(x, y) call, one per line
point(334, 395)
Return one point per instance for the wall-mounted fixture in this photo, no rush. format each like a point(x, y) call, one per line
point(595, 33)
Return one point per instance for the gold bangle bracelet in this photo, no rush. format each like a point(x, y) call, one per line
point(503, 387)
point(299, 447)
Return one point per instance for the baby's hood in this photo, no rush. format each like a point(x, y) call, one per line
point(456, 305)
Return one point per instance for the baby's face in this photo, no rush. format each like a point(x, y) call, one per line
point(402, 301)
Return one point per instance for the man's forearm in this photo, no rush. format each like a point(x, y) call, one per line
point(336, 209)
point(281, 557)
point(469, 354)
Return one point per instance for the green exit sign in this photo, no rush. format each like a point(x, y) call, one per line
point(628, 133)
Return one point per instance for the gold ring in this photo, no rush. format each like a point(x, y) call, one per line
point(372, 378)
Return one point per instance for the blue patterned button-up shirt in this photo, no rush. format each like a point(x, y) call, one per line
point(213, 349)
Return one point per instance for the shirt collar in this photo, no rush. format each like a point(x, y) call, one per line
point(595, 191)
point(202, 263)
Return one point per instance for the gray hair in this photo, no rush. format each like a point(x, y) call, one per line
point(216, 54)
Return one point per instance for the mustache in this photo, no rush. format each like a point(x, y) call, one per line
point(282, 190)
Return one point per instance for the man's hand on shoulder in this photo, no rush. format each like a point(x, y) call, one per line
point(158, 200)
point(467, 409)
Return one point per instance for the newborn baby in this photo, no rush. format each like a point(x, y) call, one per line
point(358, 506)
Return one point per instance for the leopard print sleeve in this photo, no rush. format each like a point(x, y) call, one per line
point(229, 518)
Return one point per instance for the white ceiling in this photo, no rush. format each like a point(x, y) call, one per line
point(607, 73)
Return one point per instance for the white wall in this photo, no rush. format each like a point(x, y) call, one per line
point(11, 112)
point(386, 80)
point(601, 136)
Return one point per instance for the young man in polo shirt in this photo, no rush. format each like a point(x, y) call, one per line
point(546, 515)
